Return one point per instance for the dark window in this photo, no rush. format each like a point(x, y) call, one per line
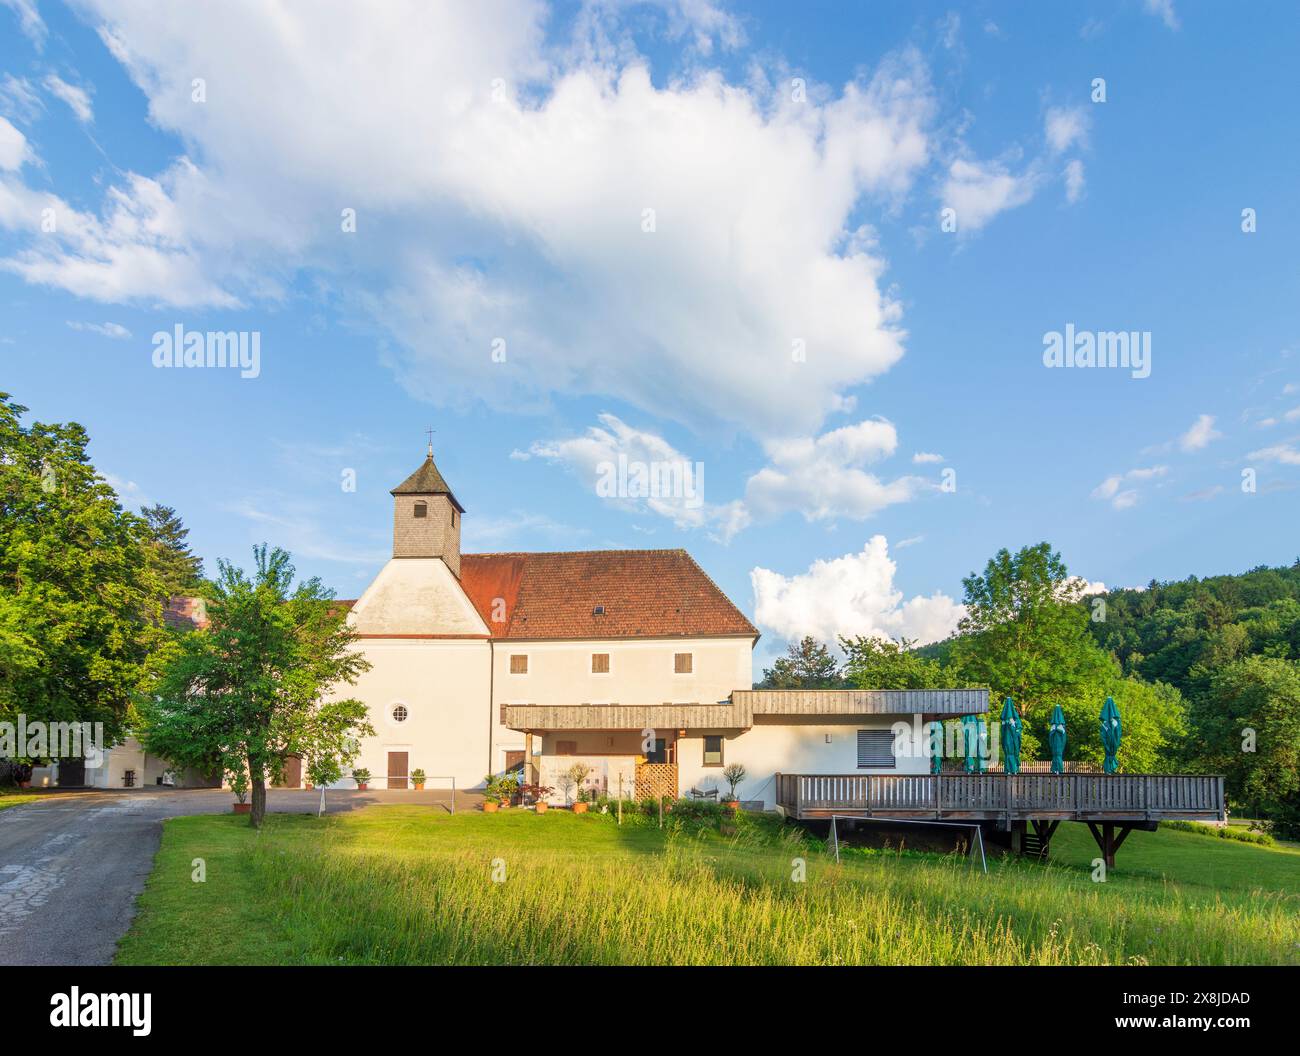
point(566, 747)
point(659, 753)
point(876, 749)
point(422, 509)
point(683, 663)
point(519, 664)
point(713, 750)
point(600, 663)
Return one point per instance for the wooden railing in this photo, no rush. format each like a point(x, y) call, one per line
point(1147, 796)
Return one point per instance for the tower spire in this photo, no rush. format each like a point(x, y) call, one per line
point(430, 431)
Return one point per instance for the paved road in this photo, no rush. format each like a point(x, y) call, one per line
point(72, 864)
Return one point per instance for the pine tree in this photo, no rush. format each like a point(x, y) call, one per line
point(808, 665)
point(176, 565)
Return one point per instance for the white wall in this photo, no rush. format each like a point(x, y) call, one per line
point(790, 746)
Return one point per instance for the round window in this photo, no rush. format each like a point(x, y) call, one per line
point(400, 713)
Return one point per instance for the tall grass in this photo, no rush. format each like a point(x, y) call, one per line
point(711, 901)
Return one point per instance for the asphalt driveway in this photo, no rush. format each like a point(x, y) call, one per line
point(72, 864)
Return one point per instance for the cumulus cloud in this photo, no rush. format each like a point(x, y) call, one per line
point(850, 595)
point(78, 99)
point(979, 191)
point(1113, 489)
point(1200, 434)
point(548, 195)
point(1066, 127)
point(14, 151)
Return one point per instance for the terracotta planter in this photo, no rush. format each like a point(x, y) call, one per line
point(308, 786)
point(362, 786)
point(732, 805)
point(419, 786)
point(489, 806)
point(243, 808)
point(540, 807)
point(580, 808)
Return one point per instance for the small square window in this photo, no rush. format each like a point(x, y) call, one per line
point(519, 664)
point(421, 509)
point(713, 750)
point(683, 663)
point(566, 747)
point(600, 663)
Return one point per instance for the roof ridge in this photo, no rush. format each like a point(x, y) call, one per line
point(557, 553)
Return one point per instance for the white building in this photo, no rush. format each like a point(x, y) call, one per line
point(630, 661)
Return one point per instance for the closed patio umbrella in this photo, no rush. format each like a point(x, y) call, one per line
point(1010, 737)
point(936, 747)
point(982, 762)
point(1111, 734)
point(970, 743)
point(1056, 739)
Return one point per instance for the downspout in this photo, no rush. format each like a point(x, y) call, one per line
point(492, 675)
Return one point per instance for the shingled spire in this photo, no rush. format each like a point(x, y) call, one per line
point(426, 516)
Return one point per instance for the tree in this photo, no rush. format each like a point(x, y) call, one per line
point(180, 571)
point(80, 605)
point(255, 685)
point(1024, 634)
point(808, 665)
point(882, 663)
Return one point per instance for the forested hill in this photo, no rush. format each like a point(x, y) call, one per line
point(1182, 632)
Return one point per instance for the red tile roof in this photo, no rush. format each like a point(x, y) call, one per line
point(645, 594)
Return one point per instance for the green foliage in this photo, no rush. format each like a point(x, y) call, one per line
point(808, 665)
point(257, 683)
point(80, 603)
point(734, 774)
point(882, 663)
point(418, 776)
point(1222, 832)
point(361, 775)
point(174, 563)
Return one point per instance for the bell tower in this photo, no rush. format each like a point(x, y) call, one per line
point(426, 517)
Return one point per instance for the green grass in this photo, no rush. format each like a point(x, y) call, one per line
point(12, 798)
point(407, 885)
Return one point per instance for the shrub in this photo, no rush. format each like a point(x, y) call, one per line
point(1223, 832)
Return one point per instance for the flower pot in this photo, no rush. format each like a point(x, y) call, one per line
point(580, 808)
point(732, 805)
point(362, 786)
point(24, 784)
point(489, 806)
point(308, 786)
point(419, 786)
point(540, 807)
point(243, 808)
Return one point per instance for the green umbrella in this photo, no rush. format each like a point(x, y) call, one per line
point(983, 761)
point(1056, 739)
point(970, 742)
point(1111, 734)
point(936, 747)
point(1010, 737)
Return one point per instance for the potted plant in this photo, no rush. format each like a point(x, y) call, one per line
point(239, 786)
point(417, 779)
point(733, 774)
point(573, 778)
point(362, 778)
point(538, 794)
point(491, 794)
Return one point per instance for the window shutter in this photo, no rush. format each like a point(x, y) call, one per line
point(683, 663)
point(876, 749)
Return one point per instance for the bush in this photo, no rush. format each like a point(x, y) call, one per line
point(1223, 832)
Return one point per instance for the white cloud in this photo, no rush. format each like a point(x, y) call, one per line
point(1164, 10)
point(922, 457)
point(114, 330)
point(29, 20)
point(18, 99)
point(824, 478)
point(1074, 180)
point(850, 595)
point(1286, 454)
point(1200, 434)
point(500, 184)
point(609, 458)
point(1112, 489)
point(78, 99)
point(13, 147)
point(979, 191)
point(1066, 127)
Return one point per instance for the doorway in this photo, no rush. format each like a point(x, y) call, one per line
point(397, 769)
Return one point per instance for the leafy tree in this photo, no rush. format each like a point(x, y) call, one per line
point(255, 685)
point(808, 665)
point(180, 571)
point(80, 605)
point(1154, 722)
point(1024, 634)
point(882, 663)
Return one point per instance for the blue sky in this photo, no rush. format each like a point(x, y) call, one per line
point(651, 207)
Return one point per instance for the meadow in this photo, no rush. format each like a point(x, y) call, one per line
point(408, 885)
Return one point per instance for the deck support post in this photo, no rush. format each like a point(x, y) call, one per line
point(1107, 842)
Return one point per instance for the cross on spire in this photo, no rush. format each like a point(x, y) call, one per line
point(430, 431)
